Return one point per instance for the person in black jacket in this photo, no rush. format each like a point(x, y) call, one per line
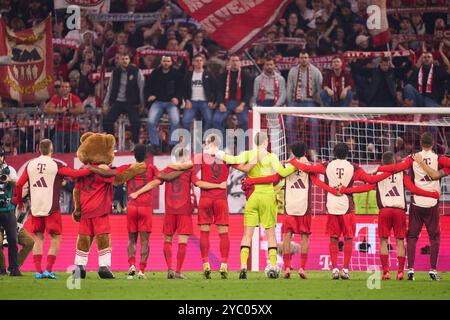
point(164, 88)
point(235, 89)
point(382, 84)
point(199, 94)
point(426, 86)
point(125, 94)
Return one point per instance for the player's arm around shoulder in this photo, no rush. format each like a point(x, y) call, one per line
point(241, 158)
point(168, 174)
point(434, 174)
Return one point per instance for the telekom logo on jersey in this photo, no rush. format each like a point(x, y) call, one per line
point(340, 172)
point(41, 167)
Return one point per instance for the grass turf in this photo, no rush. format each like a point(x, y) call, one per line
point(256, 287)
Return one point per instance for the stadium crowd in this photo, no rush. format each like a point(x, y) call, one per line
point(172, 82)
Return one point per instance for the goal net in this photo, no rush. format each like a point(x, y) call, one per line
point(369, 132)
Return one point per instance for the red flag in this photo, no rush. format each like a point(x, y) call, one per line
point(235, 23)
point(381, 34)
point(29, 77)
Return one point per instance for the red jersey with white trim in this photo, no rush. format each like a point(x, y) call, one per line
point(140, 180)
point(178, 193)
point(96, 195)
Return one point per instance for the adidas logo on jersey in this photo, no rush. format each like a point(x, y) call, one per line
point(298, 185)
point(426, 178)
point(40, 183)
point(393, 193)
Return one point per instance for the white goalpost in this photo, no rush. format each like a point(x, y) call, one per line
point(368, 131)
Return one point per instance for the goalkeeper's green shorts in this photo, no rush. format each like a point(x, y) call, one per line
point(261, 209)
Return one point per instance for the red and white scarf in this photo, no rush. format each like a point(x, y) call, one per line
point(238, 86)
point(65, 117)
point(309, 90)
point(337, 85)
point(276, 88)
point(69, 102)
point(429, 86)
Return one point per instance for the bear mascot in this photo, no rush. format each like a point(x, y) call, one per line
point(93, 198)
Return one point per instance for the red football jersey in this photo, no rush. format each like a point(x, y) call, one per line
point(178, 193)
point(96, 195)
point(145, 199)
point(213, 170)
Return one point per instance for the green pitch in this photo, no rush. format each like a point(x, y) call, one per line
point(256, 287)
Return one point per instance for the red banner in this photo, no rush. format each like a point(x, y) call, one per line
point(235, 24)
point(29, 77)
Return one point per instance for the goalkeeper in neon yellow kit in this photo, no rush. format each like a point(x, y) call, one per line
point(261, 207)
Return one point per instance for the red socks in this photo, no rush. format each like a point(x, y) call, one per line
point(348, 248)
point(401, 264)
point(224, 246)
point(132, 261)
point(334, 250)
point(287, 260)
point(168, 254)
point(37, 262)
point(50, 262)
point(384, 262)
point(303, 259)
point(181, 255)
point(142, 267)
point(204, 245)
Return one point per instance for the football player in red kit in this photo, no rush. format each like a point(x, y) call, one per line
point(213, 204)
point(390, 194)
point(139, 211)
point(178, 205)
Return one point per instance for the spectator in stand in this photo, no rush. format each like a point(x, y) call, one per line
point(215, 65)
point(269, 88)
point(292, 25)
point(199, 94)
point(346, 18)
point(77, 34)
point(65, 107)
point(121, 43)
point(304, 15)
point(164, 89)
point(60, 68)
point(362, 43)
point(426, 86)
point(303, 88)
point(125, 94)
point(233, 95)
point(383, 82)
point(135, 37)
point(337, 86)
point(328, 11)
point(196, 45)
point(34, 12)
